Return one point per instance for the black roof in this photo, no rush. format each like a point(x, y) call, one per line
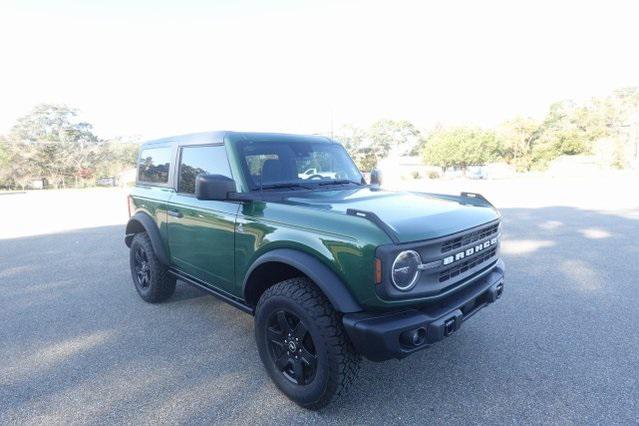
point(230, 136)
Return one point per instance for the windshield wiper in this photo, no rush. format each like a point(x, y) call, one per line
point(290, 185)
point(339, 182)
point(283, 186)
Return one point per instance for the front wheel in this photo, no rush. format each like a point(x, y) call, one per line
point(303, 344)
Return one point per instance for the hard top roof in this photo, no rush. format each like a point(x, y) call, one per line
point(230, 136)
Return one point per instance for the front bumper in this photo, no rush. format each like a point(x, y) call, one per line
point(382, 336)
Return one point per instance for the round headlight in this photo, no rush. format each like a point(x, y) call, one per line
point(405, 270)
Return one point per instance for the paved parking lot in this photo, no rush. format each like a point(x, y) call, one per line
point(78, 345)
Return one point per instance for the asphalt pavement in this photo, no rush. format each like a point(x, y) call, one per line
point(77, 345)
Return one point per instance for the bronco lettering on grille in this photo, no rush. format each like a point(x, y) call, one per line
point(469, 251)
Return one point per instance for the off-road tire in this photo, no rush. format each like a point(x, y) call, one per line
point(159, 285)
point(337, 362)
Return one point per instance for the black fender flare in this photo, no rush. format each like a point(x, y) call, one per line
point(143, 222)
point(327, 281)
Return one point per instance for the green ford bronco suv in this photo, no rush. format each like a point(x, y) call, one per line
point(285, 228)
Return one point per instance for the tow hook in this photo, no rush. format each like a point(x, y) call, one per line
point(500, 290)
point(495, 292)
point(449, 326)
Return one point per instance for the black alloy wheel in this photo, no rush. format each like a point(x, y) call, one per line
point(291, 347)
point(151, 278)
point(142, 267)
point(302, 343)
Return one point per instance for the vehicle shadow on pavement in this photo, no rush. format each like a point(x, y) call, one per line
point(79, 345)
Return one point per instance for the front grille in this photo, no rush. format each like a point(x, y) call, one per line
point(471, 237)
point(464, 266)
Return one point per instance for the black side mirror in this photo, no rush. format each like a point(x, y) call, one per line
point(213, 187)
point(376, 177)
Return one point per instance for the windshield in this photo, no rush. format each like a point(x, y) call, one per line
point(279, 164)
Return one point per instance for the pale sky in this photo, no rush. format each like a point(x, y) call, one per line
point(157, 68)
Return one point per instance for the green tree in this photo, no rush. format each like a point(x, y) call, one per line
point(64, 147)
point(461, 147)
point(17, 165)
point(5, 164)
point(352, 138)
point(4, 154)
point(116, 155)
point(567, 128)
point(368, 146)
point(570, 128)
point(517, 138)
point(386, 135)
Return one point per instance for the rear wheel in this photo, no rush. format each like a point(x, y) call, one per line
point(303, 345)
point(150, 277)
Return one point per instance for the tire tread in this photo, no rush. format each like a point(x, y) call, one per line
point(345, 361)
point(163, 283)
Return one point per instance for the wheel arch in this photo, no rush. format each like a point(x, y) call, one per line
point(142, 222)
point(280, 264)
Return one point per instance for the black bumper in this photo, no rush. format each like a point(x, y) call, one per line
point(382, 336)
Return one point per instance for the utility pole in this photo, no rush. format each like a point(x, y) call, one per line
point(634, 125)
point(331, 122)
point(636, 141)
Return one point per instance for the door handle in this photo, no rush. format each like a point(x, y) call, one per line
point(175, 213)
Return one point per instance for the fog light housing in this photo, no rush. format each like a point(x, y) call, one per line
point(413, 338)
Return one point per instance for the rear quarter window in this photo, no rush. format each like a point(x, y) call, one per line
point(154, 165)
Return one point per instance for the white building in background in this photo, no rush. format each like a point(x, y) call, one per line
point(127, 177)
point(400, 165)
point(395, 168)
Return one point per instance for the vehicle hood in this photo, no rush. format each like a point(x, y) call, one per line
point(411, 216)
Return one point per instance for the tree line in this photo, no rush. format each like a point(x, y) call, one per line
point(610, 122)
point(51, 143)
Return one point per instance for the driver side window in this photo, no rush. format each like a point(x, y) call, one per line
point(196, 160)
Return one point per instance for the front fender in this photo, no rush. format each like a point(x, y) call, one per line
point(330, 284)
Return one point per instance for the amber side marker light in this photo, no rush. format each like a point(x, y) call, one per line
point(378, 271)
